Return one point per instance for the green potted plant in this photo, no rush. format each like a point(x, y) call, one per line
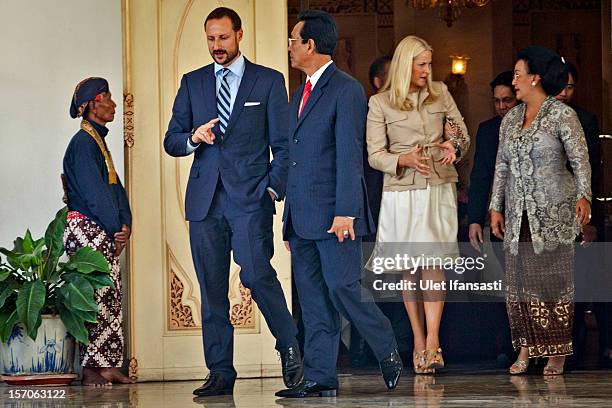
point(46, 299)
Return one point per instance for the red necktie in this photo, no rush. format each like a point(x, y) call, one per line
point(305, 96)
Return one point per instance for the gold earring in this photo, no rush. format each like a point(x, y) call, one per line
point(533, 83)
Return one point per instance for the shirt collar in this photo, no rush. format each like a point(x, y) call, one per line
point(317, 74)
point(102, 130)
point(236, 67)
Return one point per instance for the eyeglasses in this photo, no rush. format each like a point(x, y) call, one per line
point(516, 75)
point(290, 40)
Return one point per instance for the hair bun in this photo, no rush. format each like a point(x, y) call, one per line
point(549, 65)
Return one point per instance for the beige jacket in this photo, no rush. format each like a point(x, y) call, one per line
point(391, 132)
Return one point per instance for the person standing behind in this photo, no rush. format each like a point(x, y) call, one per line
point(379, 71)
point(415, 133)
point(99, 217)
point(586, 258)
point(360, 353)
point(230, 114)
point(481, 178)
point(326, 211)
point(590, 126)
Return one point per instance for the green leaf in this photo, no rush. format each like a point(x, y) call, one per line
point(29, 260)
point(91, 317)
point(54, 236)
point(4, 274)
point(38, 251)
point(49, 268)
point(30, 301)
point(8, 318)
point(13, 259)
point(9, 254)
point(74, 324)
point(7, 291)
point(87, 260)
point(99, 280)
point(28, 243)
point(79, 294)
point(18, 245)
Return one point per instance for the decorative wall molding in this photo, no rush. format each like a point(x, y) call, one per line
point(243, 313)
point(181, 316)
point(184, 303)
point(181, 298)
point(382, 8)
point(128, 119)
point(133, 369)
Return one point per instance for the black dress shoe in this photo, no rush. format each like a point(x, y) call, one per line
point(214, 385)
point(391, 368)
point(291, 362)
point(308, 389)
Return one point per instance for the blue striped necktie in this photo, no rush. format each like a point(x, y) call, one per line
point(223, 101)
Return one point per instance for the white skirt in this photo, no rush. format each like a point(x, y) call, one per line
point(417, 223)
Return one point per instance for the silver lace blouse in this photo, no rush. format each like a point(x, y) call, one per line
point(531, 175)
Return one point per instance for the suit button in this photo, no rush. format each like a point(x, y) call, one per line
point(295, 140)
point(293, 164)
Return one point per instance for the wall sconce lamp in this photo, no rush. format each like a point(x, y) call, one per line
point(459, 64)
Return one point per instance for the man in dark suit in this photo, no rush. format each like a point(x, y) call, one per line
point(587, 268)
point(481, 180)
point(230, 114)
point(326, 211)
point(590, 126)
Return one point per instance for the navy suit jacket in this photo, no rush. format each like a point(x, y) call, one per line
point(481, 178)
point(590, 125)
point(241, 157)
point(325, 158)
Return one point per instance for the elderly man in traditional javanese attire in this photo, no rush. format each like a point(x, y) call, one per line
point(99, 217)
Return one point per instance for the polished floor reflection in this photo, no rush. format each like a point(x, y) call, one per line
point(454, 388)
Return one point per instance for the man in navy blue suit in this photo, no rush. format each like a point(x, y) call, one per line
point(230, 114)
point(326, 210)
point(481, 178)
point(481, 181)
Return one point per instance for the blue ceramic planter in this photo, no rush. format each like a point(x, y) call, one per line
point(51, 353)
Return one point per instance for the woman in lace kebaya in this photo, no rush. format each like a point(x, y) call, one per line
point(544, 206)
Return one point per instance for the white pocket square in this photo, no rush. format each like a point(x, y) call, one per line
point(252, 103)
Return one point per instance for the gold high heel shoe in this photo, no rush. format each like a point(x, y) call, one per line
point(519, 367)
point(419, 360)
point(433, 359)
point(550, 369)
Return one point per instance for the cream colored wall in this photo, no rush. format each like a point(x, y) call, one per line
point(47, 48)
point(166, 39)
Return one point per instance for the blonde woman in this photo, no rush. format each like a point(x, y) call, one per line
point(406, 140)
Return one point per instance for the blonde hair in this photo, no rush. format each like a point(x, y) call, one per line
point(400, 73)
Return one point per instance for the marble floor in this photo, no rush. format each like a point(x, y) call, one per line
point(453, 388)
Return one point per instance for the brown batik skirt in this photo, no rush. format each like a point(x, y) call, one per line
point(105, 348)
point(540, 297)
